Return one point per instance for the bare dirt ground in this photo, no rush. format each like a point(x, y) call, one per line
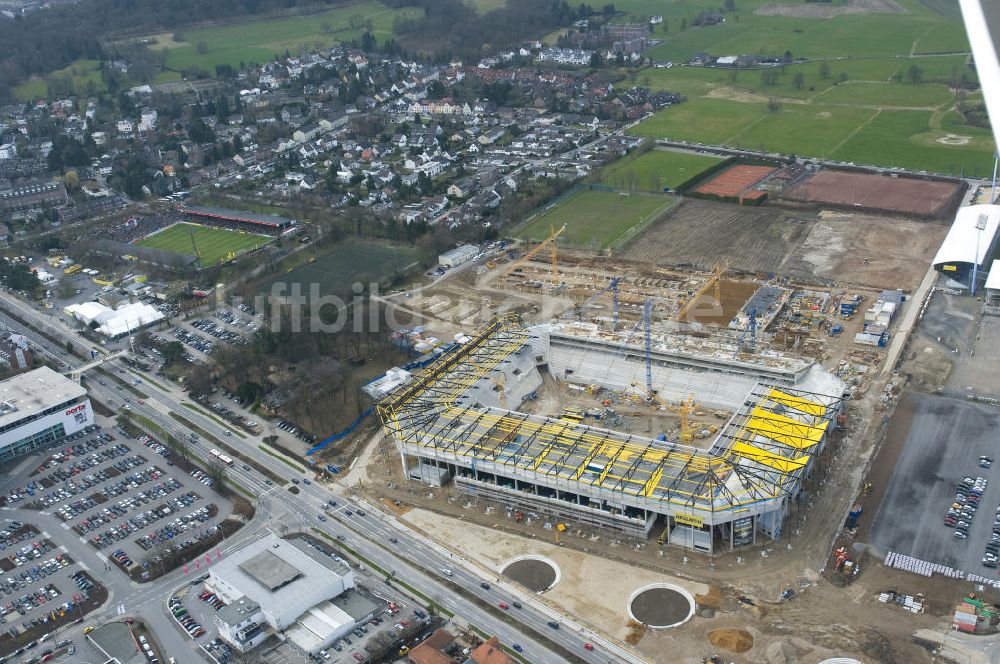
point(927, 198)
point(826, 247)
point(700, 233)
point(829, 10)
point(823, 621)
point(867, 250)
point(583, 576)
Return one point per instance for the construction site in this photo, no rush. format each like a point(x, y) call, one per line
point(705, 424)
point(689, 408)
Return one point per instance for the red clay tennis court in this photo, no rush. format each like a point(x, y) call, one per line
point(733, 181)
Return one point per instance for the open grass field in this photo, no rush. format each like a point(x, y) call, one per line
point(703, 120)
point(259, 41)
point(215, 245)
point(656, 169)
point(934, 141)
point(916, 140)
point(346, 264)
point(73, 79)
point(822, 113)
point(596, 218)
point(812, 129)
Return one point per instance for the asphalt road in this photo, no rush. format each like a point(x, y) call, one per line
point(367, 535)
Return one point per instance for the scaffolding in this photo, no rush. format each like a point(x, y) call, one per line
point(755, 464)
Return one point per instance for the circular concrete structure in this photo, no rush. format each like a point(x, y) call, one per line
point(661, 606)
point(535, 573)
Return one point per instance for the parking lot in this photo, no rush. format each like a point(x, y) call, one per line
point(944, 440)
point(125, 497)
point(39, 584)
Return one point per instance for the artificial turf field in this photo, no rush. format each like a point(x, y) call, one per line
point(215, 245)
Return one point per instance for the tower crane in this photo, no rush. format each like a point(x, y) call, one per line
point(550, 243)
point(613, 287)
point(751, 329)
point(714, 282)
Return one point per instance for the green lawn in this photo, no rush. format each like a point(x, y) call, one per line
point(860, 135)
point(259, 41)
point(345, 265)
point(911, 139)
point(704, 120)
point(215, 245)
point(596, 219)
point(901, 95)
point(803, 129)
point(655, 169)
point(71, 80)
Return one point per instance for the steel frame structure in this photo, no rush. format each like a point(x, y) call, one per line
point(755, 465)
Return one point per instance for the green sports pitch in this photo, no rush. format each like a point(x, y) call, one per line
point(214, 245)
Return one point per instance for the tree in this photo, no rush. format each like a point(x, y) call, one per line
point(824, 70)
point(201, 47)
point(769, 77)
point(799, 80)
point(843, 77)
point(172, 351)
point(595, 60)
point(773, 105)
point(218, 474)
point(72, 180)
point(729, 5)
point(915, 74)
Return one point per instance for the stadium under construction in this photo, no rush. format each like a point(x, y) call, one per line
point(458, 420)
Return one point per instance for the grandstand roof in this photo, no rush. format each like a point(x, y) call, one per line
point(272, 220)
point(965, 243)
point(993, 279)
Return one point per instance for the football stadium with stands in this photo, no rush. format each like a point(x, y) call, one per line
point(458, 420)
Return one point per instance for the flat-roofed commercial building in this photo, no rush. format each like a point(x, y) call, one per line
point(38, 408)
point(286, 586)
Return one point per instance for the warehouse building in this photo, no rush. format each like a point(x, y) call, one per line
point(277, 585)
point(39, 408)
point(970, 244)
point(457, 421)
point(458, 256)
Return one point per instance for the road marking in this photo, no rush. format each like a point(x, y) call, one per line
point(65, 525)
point(103, 557)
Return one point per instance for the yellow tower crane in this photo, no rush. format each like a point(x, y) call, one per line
point(714, 281)
point(550, 244)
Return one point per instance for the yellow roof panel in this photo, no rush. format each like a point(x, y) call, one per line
point(776, 461)
point(798, 403)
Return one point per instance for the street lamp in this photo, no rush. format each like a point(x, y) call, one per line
point(980, 225)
